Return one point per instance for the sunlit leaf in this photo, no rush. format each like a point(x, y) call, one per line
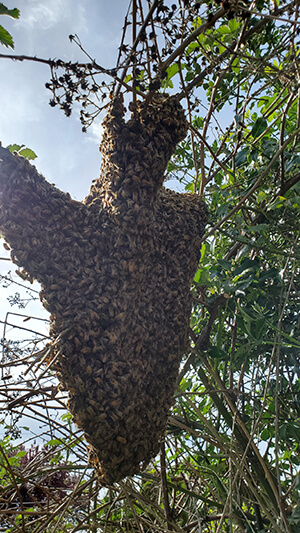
point(6, 38)
point(15, 13)
point(27, 153)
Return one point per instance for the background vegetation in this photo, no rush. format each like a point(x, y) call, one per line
point(231, 453)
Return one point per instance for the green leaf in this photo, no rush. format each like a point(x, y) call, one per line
point(278, 202)
point(259, 127)
point(223, 209)
point(265, 434)
point(203, 249)
point(15, 13)
point(245, 266)
point(171, 166)
point(241, 156)
point(12, 460)
point(225, 264)
point(27, 153)
point(21, 453)
point(261, 197)
point(189, 76)
point(202, 277)
point(172, 70)
point(14, 147)
point(22, 150)
point(54, 442)
point(6, 38)
point(233, 24)
point(224, 29)
point(189, 187)
point(269, 146)
point(66, 416)
point(270, 273)
point(217, 353)
point(258, 227)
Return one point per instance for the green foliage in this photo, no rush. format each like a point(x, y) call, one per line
point(14, 13)
point(5, 37)
point(22, 150)
point(249, 368)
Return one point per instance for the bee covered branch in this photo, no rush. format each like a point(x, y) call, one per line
point(115, 273)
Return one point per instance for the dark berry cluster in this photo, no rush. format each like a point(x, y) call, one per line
point(73, 83)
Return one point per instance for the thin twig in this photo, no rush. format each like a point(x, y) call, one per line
point(169, 518)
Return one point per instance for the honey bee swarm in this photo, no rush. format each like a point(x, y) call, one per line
point(115, 273)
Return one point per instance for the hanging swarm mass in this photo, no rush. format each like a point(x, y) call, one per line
point(116, 272)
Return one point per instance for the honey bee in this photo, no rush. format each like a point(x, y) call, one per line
point(116, 271)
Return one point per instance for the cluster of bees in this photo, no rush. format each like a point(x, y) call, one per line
point(115, 271)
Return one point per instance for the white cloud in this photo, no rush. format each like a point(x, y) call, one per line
point(44, 15)
point(95, 132)
point(44, 27)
